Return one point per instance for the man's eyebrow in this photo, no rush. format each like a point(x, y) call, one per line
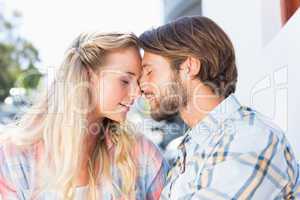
point(146, 65)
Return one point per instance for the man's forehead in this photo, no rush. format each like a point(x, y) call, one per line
point(150, 59)
point(147, 62)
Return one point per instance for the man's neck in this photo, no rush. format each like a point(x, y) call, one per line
point(201, 101)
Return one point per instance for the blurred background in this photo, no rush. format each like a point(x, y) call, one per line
point(265, 33)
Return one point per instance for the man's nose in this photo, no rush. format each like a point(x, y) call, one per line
point(142, 83)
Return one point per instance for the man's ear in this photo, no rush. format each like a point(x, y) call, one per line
point(191, 67)
point(194, 65)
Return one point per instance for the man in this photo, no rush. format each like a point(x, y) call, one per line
point(230, 151)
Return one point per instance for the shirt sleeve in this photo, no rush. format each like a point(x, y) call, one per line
point(6, 186)
point(269, 173)
point(155, 169)
point(156, 185)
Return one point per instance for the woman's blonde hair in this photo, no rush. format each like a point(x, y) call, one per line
point(59, 120)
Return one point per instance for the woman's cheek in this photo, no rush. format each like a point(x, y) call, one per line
point(111, 95)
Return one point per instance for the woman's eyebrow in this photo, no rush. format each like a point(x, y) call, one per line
point(131, 73)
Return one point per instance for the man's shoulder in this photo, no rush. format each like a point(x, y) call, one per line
point(254, 131)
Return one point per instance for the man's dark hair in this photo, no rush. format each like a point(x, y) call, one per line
point(200, 38)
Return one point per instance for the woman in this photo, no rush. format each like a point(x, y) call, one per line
point(74, 142)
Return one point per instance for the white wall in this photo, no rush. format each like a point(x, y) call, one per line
point(271, 19)
point(267, 57)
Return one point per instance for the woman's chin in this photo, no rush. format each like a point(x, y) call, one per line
point(120, 118)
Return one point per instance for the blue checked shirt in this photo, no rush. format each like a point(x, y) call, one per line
point(233, 153)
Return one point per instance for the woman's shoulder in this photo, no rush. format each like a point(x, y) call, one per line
point(17, 165)
point(9, 150)
point(13, 156)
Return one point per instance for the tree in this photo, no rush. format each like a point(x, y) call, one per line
point(18, 58)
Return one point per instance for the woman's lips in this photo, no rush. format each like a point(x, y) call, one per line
point(126, 107)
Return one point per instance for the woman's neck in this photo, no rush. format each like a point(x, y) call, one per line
point(93, 131)
point(90, 142)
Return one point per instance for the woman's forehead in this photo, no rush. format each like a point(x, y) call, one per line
point(123, 61)
point(131, 70)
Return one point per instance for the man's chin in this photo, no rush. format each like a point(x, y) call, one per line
point(164, 111)
point(160, 116)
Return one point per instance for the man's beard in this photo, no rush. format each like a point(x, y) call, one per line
point(170, 101)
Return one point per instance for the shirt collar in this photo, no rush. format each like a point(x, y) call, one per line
point(215, 118)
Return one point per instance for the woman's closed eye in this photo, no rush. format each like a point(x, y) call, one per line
point(125, 82)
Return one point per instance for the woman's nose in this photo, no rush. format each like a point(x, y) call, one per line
point(136, 91)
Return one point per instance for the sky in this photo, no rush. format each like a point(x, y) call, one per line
point(52, 25)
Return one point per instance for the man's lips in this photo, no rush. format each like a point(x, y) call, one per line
point(149, 96)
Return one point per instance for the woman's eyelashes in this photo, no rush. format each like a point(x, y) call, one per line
point(125, 81)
